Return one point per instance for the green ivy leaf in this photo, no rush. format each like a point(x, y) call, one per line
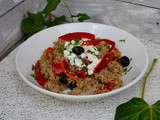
point(138, 109)
point(32, 24)
point(51, 5)
point(57, 21)
point(82, 17)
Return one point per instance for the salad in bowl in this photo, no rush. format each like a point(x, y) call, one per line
point(79, 63)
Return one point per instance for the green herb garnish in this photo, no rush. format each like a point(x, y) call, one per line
point(130, 59)
point(33, 67)
point(33, 75)
point(122, 40)
point(138, 108)
point(59, 48)
point(126, 70)
point(77, 42)
point(72, 71)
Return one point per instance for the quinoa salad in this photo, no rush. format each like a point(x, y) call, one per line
point(79, 63)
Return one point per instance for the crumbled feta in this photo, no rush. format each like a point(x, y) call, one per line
point(91, 57)
point(66, 91)
point(71, 58)
point(91, 49)
point(70, 47)
point(91, 66)
point(73, 41)
point(66, 53)
point(83, 55)
point(83, 65)
point(90, 53)
point(90, 72)
point(85, 39)
point(78, 62)
point(66, 44)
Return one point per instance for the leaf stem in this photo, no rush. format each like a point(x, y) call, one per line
point(69, 10)
point(147, 75)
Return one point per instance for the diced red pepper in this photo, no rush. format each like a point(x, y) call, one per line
point(49, 50)
point(104, 62)
point(76, 35)
point(99, 41)
point(39, 77)
point(81, 73)
point(71, 76)
point(61, 66)
point(90, 42)
point(111, 85)
point(57, 68)
point(66, 65)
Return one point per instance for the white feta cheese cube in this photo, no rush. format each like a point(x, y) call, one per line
point(73, 41)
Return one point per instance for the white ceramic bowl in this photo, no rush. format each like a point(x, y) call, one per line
point(32, 48)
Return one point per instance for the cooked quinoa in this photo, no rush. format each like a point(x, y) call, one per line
point(78, 67)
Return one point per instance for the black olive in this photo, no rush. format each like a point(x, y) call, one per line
point(63, 79)
point(78, 50)
point(124, 61)
point(72, 85)
point(157, 23)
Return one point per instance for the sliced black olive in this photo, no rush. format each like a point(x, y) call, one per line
point(78, 50)
point(157, 23)
point(63, 79)
point(72, 85)
point(124, 61)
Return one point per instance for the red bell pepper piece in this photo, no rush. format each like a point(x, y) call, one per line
point(49, 50)
point(81, 73)
point(76, 35)
point(65, 68)
point(59, 67)
point(103, 63)
point(99, 41)
point(62, 67)
point(110, 85)
point(39, 77)
point(71, 76)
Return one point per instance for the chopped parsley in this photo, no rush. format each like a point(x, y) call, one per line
point(33, 75)
point(122, 40)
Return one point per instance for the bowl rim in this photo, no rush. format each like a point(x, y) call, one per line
point(59, 95)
